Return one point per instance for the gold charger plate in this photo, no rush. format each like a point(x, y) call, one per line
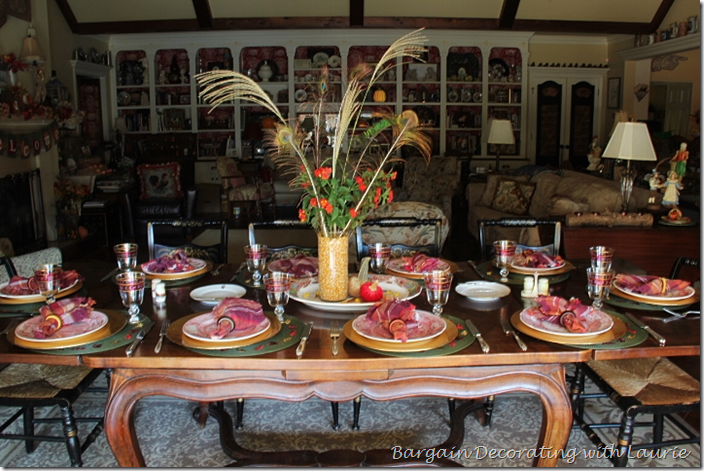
point(175, 334)
point(180, 276)
point(555, 271)
point(441, 340)
point(615, 332)
point(454, 268)
point(116, 321)
point(681, 302)
point(39, 298)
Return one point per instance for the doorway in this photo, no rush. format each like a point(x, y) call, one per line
point(89, 101)
point(670, 107)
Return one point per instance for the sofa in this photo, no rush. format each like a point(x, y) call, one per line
point(540, 192)
point(435, 183)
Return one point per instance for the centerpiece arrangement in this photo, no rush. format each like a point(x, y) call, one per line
point(344, 163)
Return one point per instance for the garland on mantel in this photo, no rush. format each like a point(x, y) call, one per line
point(26, 144)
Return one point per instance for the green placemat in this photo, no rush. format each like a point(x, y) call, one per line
point(633, 336)
point(289, 335)
point(245, 279)
point(11, 310)
point(624, 303)
point(491, 273)
point(463, 340)
point(116, 340)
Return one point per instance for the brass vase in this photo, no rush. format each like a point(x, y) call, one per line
point(332, 267)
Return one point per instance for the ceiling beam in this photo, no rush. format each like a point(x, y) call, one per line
point(203, 13)
point(356, 13)
point(508, 14)
point(68, 15)
point(660, 15)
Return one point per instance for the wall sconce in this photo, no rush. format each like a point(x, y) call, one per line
point(34, 58)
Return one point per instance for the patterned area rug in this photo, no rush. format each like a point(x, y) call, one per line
point(171, 438)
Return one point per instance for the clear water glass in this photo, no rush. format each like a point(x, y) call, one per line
point(278, 285)
point(131, 286)
point(379, 254)
point(126, 255)
point(437, 288)
point(256, 256)
point(48, 278)
point(599, 285)
point(504, 251)
point(602, 257)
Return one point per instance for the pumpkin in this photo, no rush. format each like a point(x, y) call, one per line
point(379, 96)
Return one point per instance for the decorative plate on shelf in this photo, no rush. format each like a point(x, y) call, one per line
point(334, 61)
point(124, 98)
point(301, 95)
point(320, 59)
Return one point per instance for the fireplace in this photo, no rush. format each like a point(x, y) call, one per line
point(22, 211)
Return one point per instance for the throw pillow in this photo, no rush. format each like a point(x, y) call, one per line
point(492, 182)
point(160, 180)
point(562, 206)
point(513, 197)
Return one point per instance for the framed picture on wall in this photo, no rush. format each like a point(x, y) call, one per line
point(614, 93)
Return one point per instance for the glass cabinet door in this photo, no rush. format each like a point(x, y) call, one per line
point(132, 70)
point(172, 90)
point(505, 91)
point(421, 93)
point(216, 127)
point(463, 125)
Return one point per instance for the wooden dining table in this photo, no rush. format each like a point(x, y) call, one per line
point(468, 374)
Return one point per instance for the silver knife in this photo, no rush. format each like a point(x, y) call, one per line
point(661, 340)
point(473, 330)
point(140, 335)
point(242, 265)
point(304, 338)
point(508, 330)
point(114, 270)
point(162, 334)
point(476, 270)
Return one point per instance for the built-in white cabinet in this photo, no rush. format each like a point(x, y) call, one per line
point(565, 105)
point(465, 79)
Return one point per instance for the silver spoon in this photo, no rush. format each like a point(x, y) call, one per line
point(679, 315)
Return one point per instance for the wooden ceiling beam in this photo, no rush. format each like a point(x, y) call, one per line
point(356, 13)
point(586, 27)
point(203, 13)
point(68, 15)
point(660, 15)
point(508, 14)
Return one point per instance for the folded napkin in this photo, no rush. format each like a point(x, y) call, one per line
point(569, 313)
point(175, 262)
point(66, 311)
point(394, 315)
point(649, 285)
point(421, 263)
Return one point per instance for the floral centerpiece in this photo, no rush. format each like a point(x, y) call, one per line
point(343, 164)
point(11, 64)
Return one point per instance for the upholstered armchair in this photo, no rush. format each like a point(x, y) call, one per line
point(435, 183)
point(166, 192)
point(245, 189)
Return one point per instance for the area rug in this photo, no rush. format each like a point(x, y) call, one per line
point(170, 437)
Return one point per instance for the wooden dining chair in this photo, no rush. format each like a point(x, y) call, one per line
point(175, 234)
point(26, 387)
point(485, 241)
point(285, 238)
point(391, 230)
point(245, 188)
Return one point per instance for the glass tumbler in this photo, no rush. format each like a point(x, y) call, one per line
point(437, 288)
point(602, 257)
point(379, 254)
point(278, 285)
point(131, 286)
point(126, 255)
point(48, 278)
point(599, 285)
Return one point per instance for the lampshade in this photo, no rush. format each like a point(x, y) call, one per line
point(630, 141)
point(31, 53)
point(500, 132)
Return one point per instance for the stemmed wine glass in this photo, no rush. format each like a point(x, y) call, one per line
point(126, 255)
point(48, 278)
point(602, 257)
point(131, 286)
point(256, 255)
point(277, 286)
point(504, 250)
point(599, 285)
point(379, 254)
point(437, 288)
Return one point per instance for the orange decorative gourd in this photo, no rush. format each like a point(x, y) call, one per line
point(379, 96)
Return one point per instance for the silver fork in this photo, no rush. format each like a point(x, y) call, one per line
point(216, 271)
point(334, 335)
point(679, 315)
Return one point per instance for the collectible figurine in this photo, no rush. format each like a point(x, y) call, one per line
point(594, 154)
point(678, 164)
point(655, 182)
point(672, 190)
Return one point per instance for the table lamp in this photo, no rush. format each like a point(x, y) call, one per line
point(630, 141)
point(500, 132)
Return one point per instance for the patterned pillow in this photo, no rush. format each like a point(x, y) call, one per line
point(160, 180)
point(492, 181)
point(513, 197)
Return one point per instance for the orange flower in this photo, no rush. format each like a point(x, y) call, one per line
point(313, 202)
point(393, 175)
point(323, 172)
point(391, 196)
point(302, 215)
point(353, 213)
point(377, 196)
point(360, 184)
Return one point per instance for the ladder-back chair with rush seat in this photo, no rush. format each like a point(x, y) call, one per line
point(640, 386)
point(26, 387)
point(187, 230)
point(246, 188)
